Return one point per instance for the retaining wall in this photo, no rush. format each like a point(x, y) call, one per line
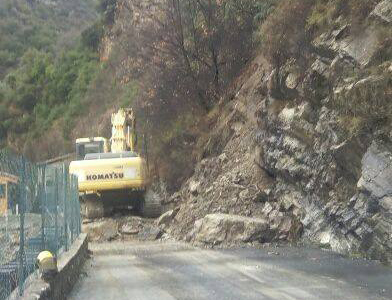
point(69, 264)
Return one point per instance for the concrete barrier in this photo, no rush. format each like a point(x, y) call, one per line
point(69, 264)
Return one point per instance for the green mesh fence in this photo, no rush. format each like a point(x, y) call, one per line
point(39, 210)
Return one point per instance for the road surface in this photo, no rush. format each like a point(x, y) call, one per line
point(167, 271)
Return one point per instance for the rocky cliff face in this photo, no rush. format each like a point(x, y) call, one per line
point(286, 148)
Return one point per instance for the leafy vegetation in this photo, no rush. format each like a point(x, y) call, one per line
point(107, 8)
point(40, 78)
point(324, 13)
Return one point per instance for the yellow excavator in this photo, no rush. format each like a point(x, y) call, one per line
point(115, 178)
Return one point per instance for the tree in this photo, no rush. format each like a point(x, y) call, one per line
point(91, 37)
point(108, 9)
point(190, 48)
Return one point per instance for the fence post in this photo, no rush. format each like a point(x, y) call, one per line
point(56, 199)
point(42, 190)
point(22, 195)
point(78, 206)
point(65, 183)
point(71, 198)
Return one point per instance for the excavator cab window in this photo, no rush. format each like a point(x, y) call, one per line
point(89, 147)
point(125, 154)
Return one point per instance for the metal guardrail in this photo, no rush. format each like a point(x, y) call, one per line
point(39, 210)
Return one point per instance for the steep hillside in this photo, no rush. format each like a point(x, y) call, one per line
point(284, 106)
point(43, 25)
point(169, 60)
point(304, 142)
point(47, 59)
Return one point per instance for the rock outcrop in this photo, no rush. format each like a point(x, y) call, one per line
point(298, 158)
point(383, 11)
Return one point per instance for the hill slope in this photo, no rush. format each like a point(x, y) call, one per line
point(305, 141)
point(45, 64)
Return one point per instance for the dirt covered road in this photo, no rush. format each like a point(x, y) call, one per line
point(171, 270)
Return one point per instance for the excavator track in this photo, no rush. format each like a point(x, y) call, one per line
point(92, 206)
point(150, 206)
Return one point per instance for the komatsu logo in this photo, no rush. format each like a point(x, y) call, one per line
point(105, 176)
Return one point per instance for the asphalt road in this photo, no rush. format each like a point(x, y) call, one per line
point(166, 271)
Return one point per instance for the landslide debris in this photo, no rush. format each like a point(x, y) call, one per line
point(228, 201)
point(121, 228)
point(303, 150)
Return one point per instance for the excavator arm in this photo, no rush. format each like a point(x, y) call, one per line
point(124, 136)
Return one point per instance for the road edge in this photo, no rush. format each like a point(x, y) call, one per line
point(70, 264)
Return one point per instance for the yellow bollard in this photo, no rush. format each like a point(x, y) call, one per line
point(47, 265)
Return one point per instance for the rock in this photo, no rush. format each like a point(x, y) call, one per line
point(150, 233)
point(218, 228)
point(267, 208)
point(273, 84)
point(209, 190)
point(194, 187)
point(289, 116)
point(105, 230)
point(360, 47)
point(320, 66)
point(222, 158)
point(325, 240)
point(349, 155)
point(286, 225)
point(262, 196)
point(166, 218)
point(383, 11)
point(244, 194)
point(377, 171)
point(279, 84)
point(386, 203)
point(292, 80)
point(289, 201)
point(128, 229)
point(238, 178)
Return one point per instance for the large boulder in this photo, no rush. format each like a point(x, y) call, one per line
point(165, 219)
point(103, 230)
point(360, 47)
point(377, 171)
point(231, 229)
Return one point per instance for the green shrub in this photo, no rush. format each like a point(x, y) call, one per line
point(91, 37)
point(129, 95)
point(108, 9)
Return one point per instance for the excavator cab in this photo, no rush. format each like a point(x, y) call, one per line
point(86, 146)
